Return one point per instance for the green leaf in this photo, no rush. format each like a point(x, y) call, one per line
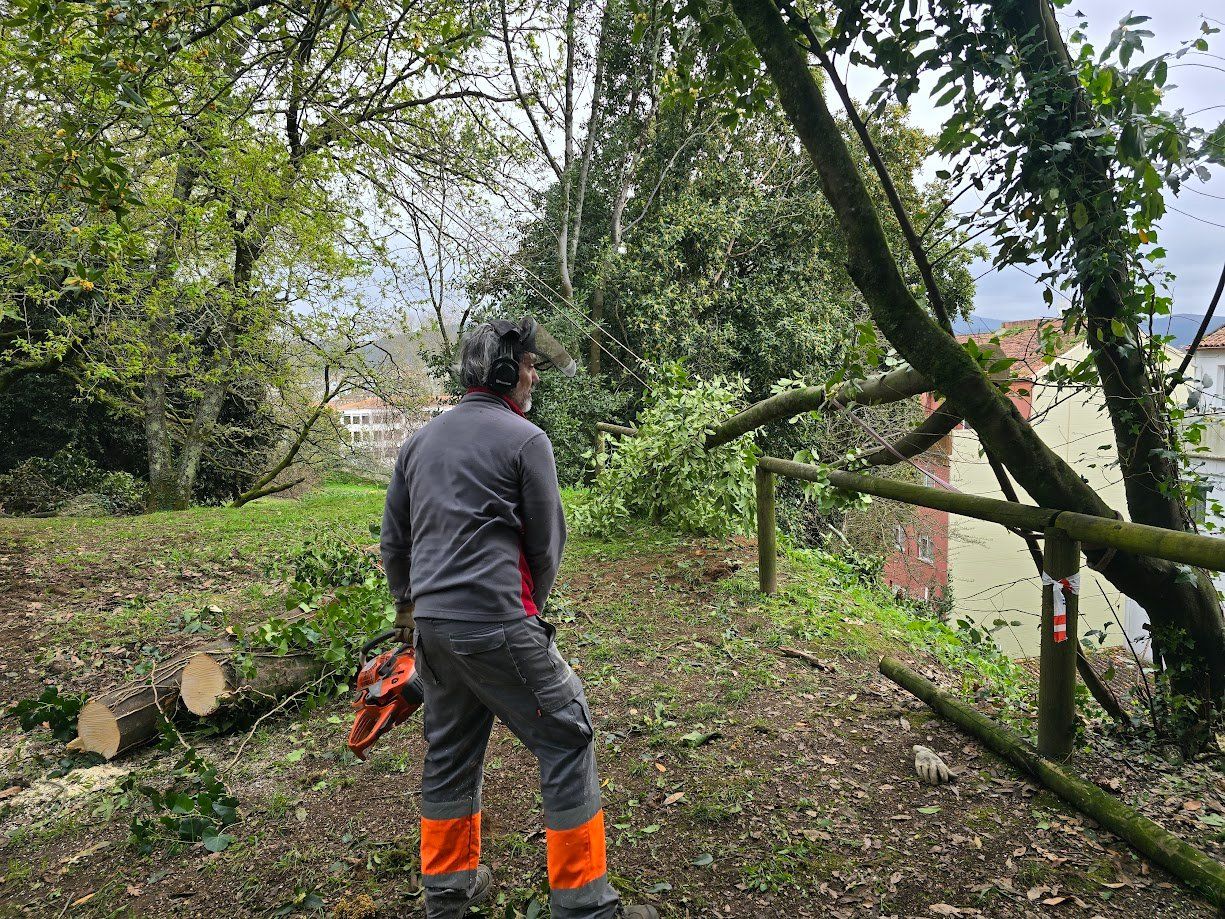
point(698, 738)
point(216, 842)
point(1214, 145)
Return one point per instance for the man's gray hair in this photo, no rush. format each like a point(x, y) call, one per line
point(477, 352)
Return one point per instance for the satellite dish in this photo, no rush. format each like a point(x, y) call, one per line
point(1193, 397)
point(1206, 382)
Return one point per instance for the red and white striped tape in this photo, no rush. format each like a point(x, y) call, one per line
point(1071, 584)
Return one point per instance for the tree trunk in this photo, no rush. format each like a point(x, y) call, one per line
point(883, 388)
point(263, 485)
point(1155, 584)
point(1188, 616)
point(164, 492)
point(115, 721)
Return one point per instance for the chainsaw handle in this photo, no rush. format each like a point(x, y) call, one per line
point(377, 640)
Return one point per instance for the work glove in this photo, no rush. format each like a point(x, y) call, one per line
point(404, 622)
point(929, 766)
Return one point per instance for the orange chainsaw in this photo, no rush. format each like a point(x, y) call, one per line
point(388, 691)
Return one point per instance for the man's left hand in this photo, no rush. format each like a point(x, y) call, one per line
point(404, 623)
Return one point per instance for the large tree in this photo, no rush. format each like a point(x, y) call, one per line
point(1079, 169)
point(209, 159)
point(705, 238)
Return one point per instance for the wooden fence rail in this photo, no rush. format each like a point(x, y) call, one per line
point(1176, 546)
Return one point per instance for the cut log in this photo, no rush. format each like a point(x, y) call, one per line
point(211, 681)
point(123, 718)
point(119, 719)
point(1179, 858)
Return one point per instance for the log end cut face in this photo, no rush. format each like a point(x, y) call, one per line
point(204, 684)
point(98, 729)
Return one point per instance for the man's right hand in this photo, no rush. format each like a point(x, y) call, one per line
point(404, 624)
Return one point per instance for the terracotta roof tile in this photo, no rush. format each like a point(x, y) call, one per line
point(1214, 339)
point(345, 405)
point(1020, 339)
point(356, 403)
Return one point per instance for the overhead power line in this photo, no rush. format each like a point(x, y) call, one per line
point(551, 296)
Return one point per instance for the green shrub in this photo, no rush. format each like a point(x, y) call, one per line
point(665, 473)
point(123, 492)
point(327, 562)
point(41, 484)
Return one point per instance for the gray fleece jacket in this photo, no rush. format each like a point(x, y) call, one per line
point(473, 527)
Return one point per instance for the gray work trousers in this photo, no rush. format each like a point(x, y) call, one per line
point(472, 672)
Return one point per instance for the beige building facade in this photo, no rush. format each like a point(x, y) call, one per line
point(991, 574)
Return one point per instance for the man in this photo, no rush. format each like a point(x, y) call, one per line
point(472, 539)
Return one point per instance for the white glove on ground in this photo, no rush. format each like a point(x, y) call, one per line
point(929, 766)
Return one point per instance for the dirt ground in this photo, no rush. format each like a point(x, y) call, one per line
point(737, 782)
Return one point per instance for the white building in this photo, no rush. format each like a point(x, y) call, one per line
point(378, 429)
point(1208, 398)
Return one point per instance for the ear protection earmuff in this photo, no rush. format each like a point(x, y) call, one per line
point(504, 371)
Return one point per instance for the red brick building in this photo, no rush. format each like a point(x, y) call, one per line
point(918, 565)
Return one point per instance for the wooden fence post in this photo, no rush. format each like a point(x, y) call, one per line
point(767, 527)
point(1057, 681)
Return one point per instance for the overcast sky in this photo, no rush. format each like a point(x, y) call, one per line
point(1196, 247)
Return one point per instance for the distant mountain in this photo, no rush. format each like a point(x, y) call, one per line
point(1182, 326)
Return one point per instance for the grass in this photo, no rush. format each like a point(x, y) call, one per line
point(837, 609)
point(258, 532)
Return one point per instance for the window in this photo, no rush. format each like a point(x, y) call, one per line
point(899, 539)
point(927, 551)
point(1198, 505)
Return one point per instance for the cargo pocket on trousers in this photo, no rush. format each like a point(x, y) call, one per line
point(487, 658)
point(567, 726)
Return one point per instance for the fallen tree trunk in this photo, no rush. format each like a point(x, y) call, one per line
point(127, 716)
point(120, 719)
point(880, 389)
point(212, 679)
point(1179, 858)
